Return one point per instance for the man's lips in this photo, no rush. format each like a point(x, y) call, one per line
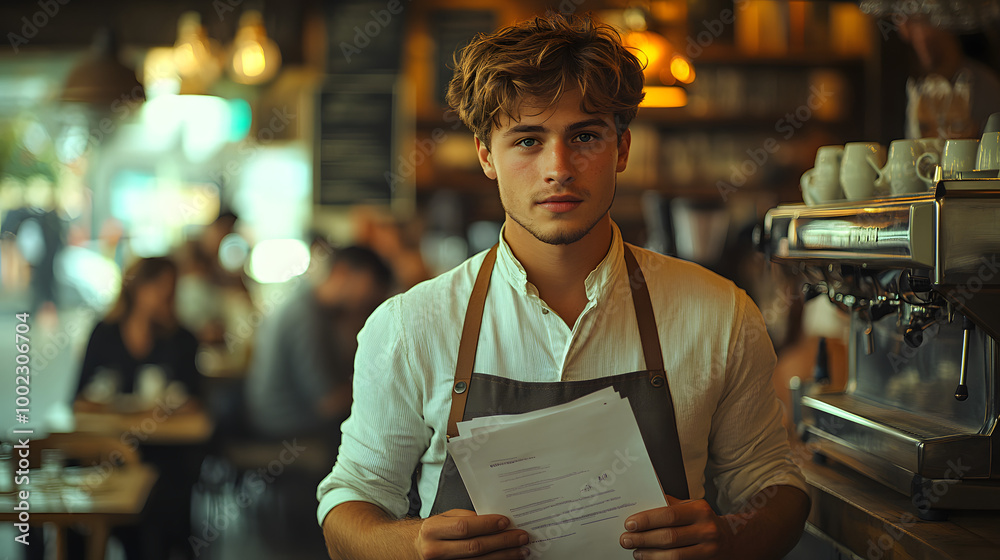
point(560, 203)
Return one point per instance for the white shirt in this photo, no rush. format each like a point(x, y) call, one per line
point(717, 355)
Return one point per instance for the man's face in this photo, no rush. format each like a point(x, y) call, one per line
point(555, 169)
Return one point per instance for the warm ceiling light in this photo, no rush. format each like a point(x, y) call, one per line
point(654, 49)
point(195, 55)
point(255, 58)
point(682, 69)
point(664, 96)
point(100, 80)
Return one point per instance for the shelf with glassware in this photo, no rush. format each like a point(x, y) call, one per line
point(748, 128)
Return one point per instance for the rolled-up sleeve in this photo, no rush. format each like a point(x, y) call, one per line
point(748, 445)
point(386, 433)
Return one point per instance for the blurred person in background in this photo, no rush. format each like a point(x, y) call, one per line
point(140, 330)
point(299, 382)
point(138, 345)
point(955, 94)
point(39, 233)
point(210, 298)
point(385, 236)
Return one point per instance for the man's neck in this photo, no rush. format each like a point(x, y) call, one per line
point(559, 272)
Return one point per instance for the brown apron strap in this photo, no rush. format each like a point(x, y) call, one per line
point(648, 333)
point(470, 342)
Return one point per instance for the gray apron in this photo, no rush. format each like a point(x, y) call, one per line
point(476, 394)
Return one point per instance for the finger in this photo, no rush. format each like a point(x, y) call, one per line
point(464, 524)
point(459, 513)
point(672, 500)
point(505, 541)
point(668, 537)
point(681, 513)
point(508, 544)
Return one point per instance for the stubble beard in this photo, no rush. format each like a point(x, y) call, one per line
point(560, 237)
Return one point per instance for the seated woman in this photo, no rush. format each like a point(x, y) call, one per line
point(138, 358)
point(140, 335)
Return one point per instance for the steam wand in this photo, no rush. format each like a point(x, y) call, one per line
point(962, 391)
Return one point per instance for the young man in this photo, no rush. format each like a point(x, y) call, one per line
point(570, 308)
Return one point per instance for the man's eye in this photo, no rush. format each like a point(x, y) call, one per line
point(527, 142)
point(586, 137)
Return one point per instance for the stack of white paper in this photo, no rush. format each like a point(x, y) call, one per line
point(569, 475)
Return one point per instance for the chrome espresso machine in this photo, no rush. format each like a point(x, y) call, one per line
point(919, 276)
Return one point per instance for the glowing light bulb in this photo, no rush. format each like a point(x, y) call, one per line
point(682, 69)
point(255, 58)
point(252, 57)
point(195, 56)
point(653, 49)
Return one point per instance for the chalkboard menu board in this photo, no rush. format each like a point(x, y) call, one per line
point(452, 30)
point(365, 36)
point(355, 140)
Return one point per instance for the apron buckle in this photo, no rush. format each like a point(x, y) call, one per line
point(656, 381)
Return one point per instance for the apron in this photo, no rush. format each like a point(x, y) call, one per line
point(476, 394)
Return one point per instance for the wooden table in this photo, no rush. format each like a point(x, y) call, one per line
point(869, 520)
point(104, 500)
point(162, 425)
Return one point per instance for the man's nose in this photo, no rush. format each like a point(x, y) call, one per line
point(560, 169)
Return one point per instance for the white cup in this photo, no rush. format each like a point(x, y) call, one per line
point(957, 156)
point(151, 383)
point(993, 123)
point(858, 169)
point(821, 184)
point(989, 152)
point(899, 174)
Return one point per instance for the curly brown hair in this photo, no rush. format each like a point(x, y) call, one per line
point(541, 59)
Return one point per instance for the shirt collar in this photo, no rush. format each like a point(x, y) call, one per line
point(598, 282)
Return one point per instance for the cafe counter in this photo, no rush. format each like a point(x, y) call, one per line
point(856, 517)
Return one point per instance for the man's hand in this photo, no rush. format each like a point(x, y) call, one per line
point(690, 529)
point(682, 530)
point(460, 533)
point(363, 531)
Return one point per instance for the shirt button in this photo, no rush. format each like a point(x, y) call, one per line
point(545, 311)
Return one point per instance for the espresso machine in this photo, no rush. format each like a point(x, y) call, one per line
point(919, 276)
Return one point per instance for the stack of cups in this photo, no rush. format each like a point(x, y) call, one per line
point(821, 184)
point(910, 166)
point(860, 168)
point(958, 156)
point(988, 158)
